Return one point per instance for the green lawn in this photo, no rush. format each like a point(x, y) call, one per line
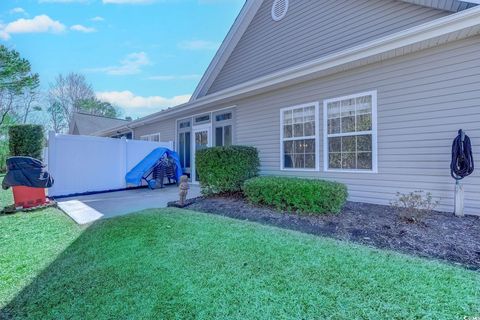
point(179, 264)
point(6, 197)
point(29, 242)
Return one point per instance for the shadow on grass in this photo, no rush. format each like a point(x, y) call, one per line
point(85, 281)
point(51, 288)
point(114, 269)
point(177, 264)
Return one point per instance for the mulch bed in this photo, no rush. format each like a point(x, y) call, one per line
point(440, 235)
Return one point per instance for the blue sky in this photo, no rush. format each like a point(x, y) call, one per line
point(142, 55)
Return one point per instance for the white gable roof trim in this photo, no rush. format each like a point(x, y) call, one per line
point(450, 28)
point(448, 5)
point(241, 24)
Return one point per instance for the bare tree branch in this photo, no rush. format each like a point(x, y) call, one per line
point(65, 97)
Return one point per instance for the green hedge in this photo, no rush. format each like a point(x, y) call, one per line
point(298, 195)
point(26, 140)
point(225, 169)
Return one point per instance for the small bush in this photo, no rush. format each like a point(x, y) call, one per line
point(414, 206)
point(225, 169)
point(26, 140)
point(298, 195)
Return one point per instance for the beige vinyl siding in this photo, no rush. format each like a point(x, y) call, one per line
point(312, 29)
point(423, 99)
point(166, 129)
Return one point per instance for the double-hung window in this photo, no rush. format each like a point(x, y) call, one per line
point(350, 133)
point(299, 137)
point(223, 127)
point(151, 137)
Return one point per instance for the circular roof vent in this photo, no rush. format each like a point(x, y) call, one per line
point(279, 9)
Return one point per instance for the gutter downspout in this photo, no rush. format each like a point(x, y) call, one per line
point(131, 131)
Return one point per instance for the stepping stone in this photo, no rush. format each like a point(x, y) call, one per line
point(79, 211)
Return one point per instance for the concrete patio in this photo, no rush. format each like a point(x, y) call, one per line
point(89, 208)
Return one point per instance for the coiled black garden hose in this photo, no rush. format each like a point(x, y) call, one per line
point(462, 158)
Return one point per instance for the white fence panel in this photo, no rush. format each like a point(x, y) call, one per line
point(81, 164)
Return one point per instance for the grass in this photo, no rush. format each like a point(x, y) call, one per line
point(6, 197)
point(29, 242)
point(175, 264)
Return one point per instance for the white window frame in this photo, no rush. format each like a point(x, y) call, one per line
point(222, 124)
point(373, 132)
point(212, 126)
point(149, 137)
point(316, 137)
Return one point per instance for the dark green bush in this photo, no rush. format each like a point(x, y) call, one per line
point(26, 140)
point(298, 195)
point(225, 169)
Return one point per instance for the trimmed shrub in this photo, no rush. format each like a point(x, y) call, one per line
point(225, 169)
point(26, 140)
point(298, 195)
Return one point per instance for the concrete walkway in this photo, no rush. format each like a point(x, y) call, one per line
point(86, 209)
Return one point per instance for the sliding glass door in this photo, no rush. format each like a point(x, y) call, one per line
point(184, 151)
point(184, 147)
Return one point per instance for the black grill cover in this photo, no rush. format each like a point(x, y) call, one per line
point(26, 171)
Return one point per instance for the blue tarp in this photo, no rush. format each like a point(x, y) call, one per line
point(145, 167)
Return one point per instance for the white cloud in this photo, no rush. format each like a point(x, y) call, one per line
point(198, 45)
point(175, 77)
point(80, 28)
point(97, 19)
point(140, 105)
point(131, 64)
point(39, 24)
point(3, 34)
point(18, 10)
point(127, 1)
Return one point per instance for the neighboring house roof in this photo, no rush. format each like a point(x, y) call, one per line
point(452, 27)
point(249, 11)
point(86, 124)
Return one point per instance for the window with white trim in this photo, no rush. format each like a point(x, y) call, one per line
point(299, 137)
point(223, 128)
point(151, 137)
point(202, 119)
point(350, 133)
